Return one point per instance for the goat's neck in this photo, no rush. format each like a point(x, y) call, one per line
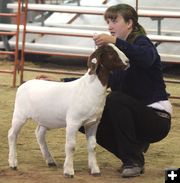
point(93, 83)
point(103, 75)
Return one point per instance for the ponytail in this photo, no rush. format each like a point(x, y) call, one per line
point(137, 31)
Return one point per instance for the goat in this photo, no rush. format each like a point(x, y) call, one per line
point(71, 105)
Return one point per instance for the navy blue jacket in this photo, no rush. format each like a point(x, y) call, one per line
point(143, 80)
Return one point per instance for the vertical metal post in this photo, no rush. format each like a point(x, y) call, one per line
point(78, 3)
point(4, 9)
point(16, 59)
point(23, 41)
point(159, 26)
point(42, 14)
point(136, 5)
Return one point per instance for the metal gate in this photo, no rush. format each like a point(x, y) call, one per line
point(7, 51)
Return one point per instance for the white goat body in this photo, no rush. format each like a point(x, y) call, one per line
point(55, 103)
point(71, 105)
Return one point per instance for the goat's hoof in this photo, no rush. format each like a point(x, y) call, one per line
point(51, 165)
point(13, 168)
point(96, 174)
point(66, 175)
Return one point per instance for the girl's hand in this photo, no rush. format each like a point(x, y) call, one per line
point(101, 39)
point(44, 77)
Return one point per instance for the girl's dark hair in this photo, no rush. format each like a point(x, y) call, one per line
point(128, 13)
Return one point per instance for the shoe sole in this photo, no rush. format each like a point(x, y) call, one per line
point(135, 175)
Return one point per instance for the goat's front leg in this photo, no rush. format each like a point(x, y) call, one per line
point(71, 131)
point(91, 144)
point(40, 135)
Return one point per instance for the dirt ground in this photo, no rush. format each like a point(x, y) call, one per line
point(32, 168)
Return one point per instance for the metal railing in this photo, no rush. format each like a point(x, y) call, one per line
point(15, 33)
point(84, 10)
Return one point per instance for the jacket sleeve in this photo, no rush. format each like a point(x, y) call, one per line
point(142, 52)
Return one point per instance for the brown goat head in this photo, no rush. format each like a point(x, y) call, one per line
point(107, 57)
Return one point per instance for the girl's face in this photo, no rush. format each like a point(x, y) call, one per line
point(119, 28)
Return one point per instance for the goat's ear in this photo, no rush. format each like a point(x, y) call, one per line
point(92, 65)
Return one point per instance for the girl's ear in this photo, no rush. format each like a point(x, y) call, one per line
point(130, 23)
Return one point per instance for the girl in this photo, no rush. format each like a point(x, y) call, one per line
point(137, 111)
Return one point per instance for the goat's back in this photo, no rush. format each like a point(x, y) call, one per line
point(51, 104)
point(44, 101)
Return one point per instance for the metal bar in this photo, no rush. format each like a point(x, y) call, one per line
point(172, 81)
point(53, 71)
point(8, 33)
point(6, 42)
point(136, 5)
point(158, 14)
point(162, 38)
point(16, 33)
point(23, 41)
point(7, 52)
point(79, 32)
point(50, 48)
point(159, 26)
point(70, 55)
point(171, 61)
point(174, 97)
point(73, 19)
point(54, 49)
point(95, 11)
point(63, 8)
point(16, 61)
point(53, 30)
point(6, 71)
point(8, 14)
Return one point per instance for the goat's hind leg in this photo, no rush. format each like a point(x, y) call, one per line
point(40, 135)
point(13, 132)
point(91, 145)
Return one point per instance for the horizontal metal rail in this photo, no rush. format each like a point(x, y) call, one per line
point(158, 14)
point(69, 55)
point(51, 30)
point(7, 71)
point(172, 81)
point(78, 32)
point(8, 14)
point(94, 10)
point(7, 52)
point(40, 47)
point(78, 52)
point(8, 33)
point(174, 97)
point(53, 71)
point(170, 58)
